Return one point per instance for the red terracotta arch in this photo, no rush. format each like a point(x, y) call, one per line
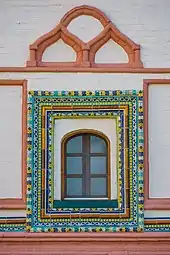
point(85, 51)
point(85, 10)
point(41, 44)
point(111, 32)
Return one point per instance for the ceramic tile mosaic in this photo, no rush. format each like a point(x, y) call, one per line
point(7, 226)
point(45, 214)
point(157, 224)
point(12, 224)
point(51, 117)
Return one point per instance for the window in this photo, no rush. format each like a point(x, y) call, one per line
point(85, 166)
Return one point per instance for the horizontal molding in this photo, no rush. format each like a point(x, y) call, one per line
point(86, 237)
point(157, 203)
point(84, 70)
point(15, 203)
point(85, 243)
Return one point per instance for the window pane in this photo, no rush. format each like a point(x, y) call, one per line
point(74, 186)
point(97, 145)
point(74, 145)
point(74, 165)
point(98, 186)
point(98, 165)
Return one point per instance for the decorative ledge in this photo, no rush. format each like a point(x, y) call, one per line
point(85, 237)
point(85, 243)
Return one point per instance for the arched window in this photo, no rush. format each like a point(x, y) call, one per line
point(85, 165)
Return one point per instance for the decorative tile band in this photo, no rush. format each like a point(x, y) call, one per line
point(121, 185)
point(157, 225)
point(12, 224)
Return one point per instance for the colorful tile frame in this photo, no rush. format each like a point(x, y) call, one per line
point(51, 117)
point(89, 213)
point(72, 101)
point(12, 224)
point(161, 225)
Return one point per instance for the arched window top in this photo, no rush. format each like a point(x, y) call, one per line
point(85, 158)
point(97, 141)
point(81, 132)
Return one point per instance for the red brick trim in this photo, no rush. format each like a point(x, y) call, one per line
point(85, 243)
point(111, 32)
point(156, 221)
point(85, 10)
point(19, 203)
point(151, 203)
point(85, 51)
point(75, 69)
point(85, 237)
point(39, 46)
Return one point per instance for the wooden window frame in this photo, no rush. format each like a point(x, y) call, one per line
point(63, 163)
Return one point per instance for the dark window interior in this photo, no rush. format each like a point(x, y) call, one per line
point(85, 166)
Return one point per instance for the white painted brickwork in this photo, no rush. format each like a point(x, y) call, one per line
point(85, 27)
point(83, 81)
point(144, 21)
point(159, 141)
point(59, 52)
point(10, 142)
point(111, 52)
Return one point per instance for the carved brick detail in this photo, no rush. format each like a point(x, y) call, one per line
point(85, 51)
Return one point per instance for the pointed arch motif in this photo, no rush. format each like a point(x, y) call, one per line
point(111, 32)
point(85, 51)
point(41, 44)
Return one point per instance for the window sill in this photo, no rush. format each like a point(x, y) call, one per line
point(85, 203)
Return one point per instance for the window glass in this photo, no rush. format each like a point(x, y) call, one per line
point(74, 186)
point(74, 145)
point(98, 186)
point(97, 145)
point(74, 165)
point(98, 165)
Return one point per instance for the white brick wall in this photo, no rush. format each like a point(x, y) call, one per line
point(59, 52)
point(85, 27)
point(83, 81)
point(144, 21)
point(159, 141)
point(111, 52)
point(10, 142)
